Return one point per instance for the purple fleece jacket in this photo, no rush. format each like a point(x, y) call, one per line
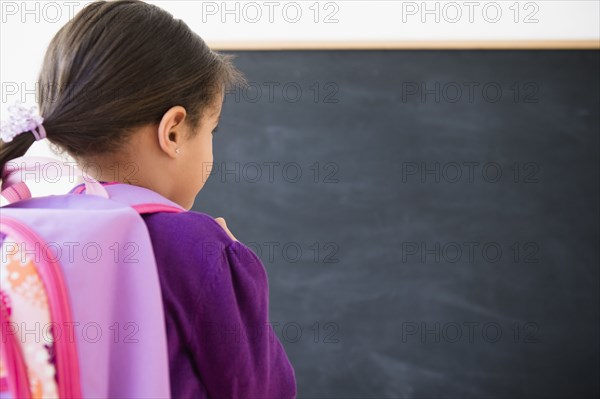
point(216, 300)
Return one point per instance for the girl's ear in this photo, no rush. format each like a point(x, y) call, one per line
point(171, 131)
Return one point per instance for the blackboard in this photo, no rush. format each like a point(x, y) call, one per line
point(428, 219)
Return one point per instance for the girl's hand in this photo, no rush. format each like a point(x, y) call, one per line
point(223, 224)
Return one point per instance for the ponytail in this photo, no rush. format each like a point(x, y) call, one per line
point(14, 149)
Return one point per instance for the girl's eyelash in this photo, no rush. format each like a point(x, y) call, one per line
point(216, 129)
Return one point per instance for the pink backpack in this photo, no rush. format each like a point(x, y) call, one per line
point(80, 302)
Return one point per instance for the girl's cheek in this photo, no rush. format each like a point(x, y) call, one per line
point(207, 160)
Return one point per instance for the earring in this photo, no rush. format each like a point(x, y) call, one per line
point(178, 151)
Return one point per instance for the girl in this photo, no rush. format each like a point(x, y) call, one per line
point(127, 88)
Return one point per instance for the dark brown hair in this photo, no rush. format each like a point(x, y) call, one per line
point(118, 65)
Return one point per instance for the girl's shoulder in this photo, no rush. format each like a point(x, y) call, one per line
point(187, 228)
point(197, 237)
point(197, 260)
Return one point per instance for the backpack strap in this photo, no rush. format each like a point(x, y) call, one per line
point(14, 187)
point(143, 200)
point(16, 192)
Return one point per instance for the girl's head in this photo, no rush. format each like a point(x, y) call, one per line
point(133, 95)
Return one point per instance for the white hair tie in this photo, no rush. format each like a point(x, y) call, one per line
point(22, 119)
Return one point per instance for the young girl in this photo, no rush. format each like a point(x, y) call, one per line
point(133, 92)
